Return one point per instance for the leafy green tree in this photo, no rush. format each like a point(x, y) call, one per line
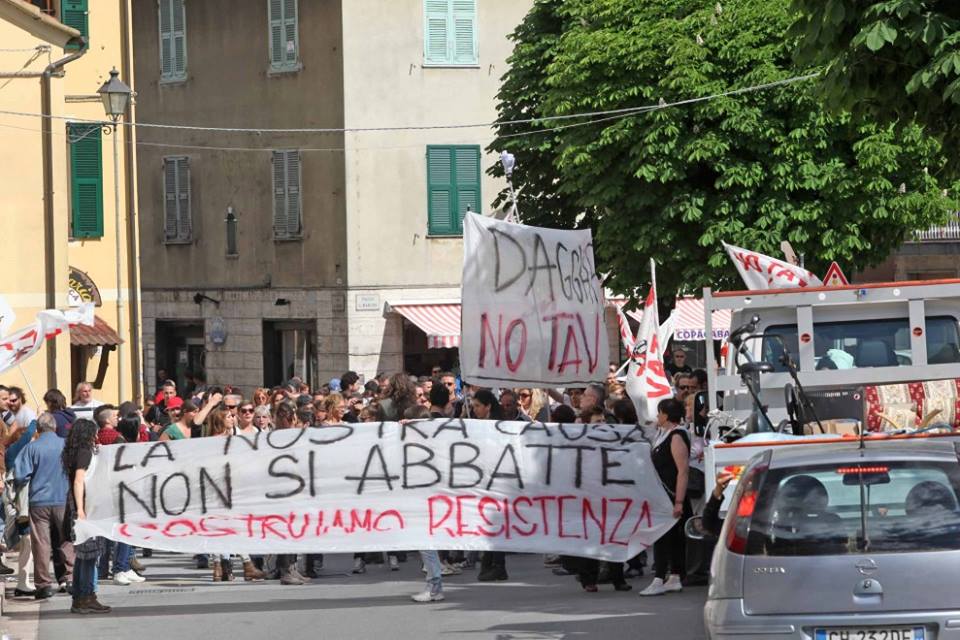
point(890, 59)
point(672, 183)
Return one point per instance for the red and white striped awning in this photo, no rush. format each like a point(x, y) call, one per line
point(439, 320)
point(690, 324)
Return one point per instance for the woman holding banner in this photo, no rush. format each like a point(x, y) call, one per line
point(493, 564)
point(224, 424)
point(77, 457)
point(671, 459)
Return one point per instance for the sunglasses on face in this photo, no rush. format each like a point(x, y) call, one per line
point(524, 395)
point(246, 410)
point(686, 387)
point(231, 407)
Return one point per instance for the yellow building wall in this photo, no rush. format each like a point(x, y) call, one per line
point(22, 257)
point(97, 257)
point(22, 250)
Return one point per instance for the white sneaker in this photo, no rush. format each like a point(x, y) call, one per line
point(394, 565)
point(426, 596)
point(656, 588)
point(673, 583)
point(121, 579)
point(133, 576)
point(447, 569)
point(359, 566)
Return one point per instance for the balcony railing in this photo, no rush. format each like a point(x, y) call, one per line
point(949, 232)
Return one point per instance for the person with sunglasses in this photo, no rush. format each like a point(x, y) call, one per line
point(245, 423)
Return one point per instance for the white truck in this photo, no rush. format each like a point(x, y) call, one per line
point(827, 362)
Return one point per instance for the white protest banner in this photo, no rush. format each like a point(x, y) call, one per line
point(50, 323)
point(532, 309)
point(584, 490)
point(760, 271)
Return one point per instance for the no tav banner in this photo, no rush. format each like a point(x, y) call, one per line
point(583, 490)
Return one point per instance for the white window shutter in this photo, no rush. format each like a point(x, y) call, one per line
point(465, 32)
point(436, 31)
point(290, 38)
point(275, 10)
point(179, 38)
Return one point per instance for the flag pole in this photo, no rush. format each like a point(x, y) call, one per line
point(29, 386)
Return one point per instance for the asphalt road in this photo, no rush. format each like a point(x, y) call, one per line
point(179, 602)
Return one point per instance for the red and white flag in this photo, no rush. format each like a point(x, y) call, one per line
point(760, 271)
point(647, 382)
point(22, 344)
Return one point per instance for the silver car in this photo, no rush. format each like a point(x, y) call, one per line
point(841, 543)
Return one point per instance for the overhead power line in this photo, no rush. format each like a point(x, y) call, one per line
point(615, 113)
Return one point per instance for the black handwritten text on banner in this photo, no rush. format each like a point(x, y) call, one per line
point(586, 490)
point(532, 306)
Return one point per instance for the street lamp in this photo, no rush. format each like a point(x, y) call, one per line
point(116, 97)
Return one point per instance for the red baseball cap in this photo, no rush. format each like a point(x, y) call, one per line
point(176, 402)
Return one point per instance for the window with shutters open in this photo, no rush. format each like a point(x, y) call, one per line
point(173, 40)
point(450, 33)
point(73, 13)
point(86, 180)
point(287, 220)
point(453, 187)
point(284, 38)
point(177, 215)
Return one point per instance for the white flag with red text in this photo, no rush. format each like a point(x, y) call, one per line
point(760, 271)
point(22, 344)
point(647, 382)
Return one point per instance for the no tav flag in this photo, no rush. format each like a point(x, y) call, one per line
point(761, 272)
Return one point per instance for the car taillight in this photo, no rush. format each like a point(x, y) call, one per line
point(744, 504)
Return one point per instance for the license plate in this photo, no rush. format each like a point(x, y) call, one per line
point(901, 633)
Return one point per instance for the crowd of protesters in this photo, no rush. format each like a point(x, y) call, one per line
point(45, 458)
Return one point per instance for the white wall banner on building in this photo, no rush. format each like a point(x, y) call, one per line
point(583, 490)
point(533, 307)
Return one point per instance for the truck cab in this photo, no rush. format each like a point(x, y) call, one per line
point(871, 357)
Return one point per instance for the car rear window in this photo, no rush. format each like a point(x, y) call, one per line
point(816, 510)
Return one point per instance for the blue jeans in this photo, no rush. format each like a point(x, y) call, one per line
point(121, 561)
point(84, 578)
point(431, 561)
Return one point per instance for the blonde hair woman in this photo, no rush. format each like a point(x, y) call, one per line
point(335, 406)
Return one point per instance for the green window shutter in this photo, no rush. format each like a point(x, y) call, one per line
point(453, 186)
point(465, 32)
point(86, 180)
point(284, 41)
point(177, 216)
point(279, 194)
point(173, 40)
point(467, 170)
point(73, 13)
point(293, 194)
point(436, 32)
point(166, 39)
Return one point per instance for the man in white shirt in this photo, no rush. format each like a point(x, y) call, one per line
point(83, 401)
point(23, 415)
